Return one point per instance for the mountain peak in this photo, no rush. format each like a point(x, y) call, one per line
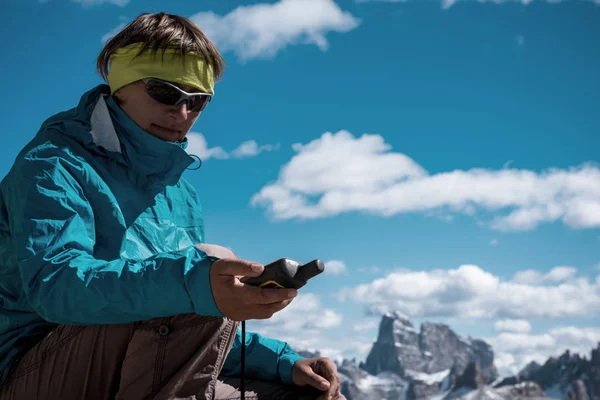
point(431, 350)
point(529, 369)
point(397, 315)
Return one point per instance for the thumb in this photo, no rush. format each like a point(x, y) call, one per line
point(238, 267)
point(315, 380)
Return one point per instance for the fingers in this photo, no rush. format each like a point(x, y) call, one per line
point(329, 371)
point(266, 311)
point(333, 393)
point(217, 251)
point(255, 295)
point(335, 396)
point(239, 301)
point(316, 381)
point(238, 267)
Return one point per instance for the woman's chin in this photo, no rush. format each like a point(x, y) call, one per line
point(168, 135)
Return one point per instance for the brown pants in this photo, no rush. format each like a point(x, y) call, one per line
point(165, 358)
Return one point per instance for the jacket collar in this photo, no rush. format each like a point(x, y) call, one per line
point(102, 128)
point(152, 163)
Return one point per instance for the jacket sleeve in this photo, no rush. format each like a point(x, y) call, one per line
point(53, 234)
point(266, 359)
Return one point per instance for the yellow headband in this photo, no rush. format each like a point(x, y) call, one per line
point(126, 68)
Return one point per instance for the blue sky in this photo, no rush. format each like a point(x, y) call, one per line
point(440, 157)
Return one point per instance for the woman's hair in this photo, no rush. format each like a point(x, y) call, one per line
point(159, 32)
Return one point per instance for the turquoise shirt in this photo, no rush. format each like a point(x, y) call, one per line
point(97, 226)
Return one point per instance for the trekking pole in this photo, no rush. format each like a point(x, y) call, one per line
point(281, 274)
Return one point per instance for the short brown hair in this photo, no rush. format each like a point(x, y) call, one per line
point(161, 31)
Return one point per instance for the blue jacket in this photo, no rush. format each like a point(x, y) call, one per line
point(97, 226)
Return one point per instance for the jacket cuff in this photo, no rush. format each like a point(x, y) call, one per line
point(286, 364)
point(199, 288)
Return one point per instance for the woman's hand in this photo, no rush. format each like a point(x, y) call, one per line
point(320, 373)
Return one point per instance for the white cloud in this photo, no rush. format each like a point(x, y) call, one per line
point(304, 324)
point(449, 3)
point(494, 242)
point(335, 267)
point(506, 364)
point(113, 32)
point(304, 313)
point(469, 292)
point(251, 149)
point(365, 325)
point(309, 325)
point(515, 350)
point(446, 4)
point(559, 274)
point(339, 173)
point(197, 145)
point(512, 325)
point(357, 347)
point(262, 30)
point(533, 277)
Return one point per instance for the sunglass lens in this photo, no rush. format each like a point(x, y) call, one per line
point(162, 93)
point(198, 103)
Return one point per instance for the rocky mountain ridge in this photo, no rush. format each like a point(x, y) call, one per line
point(569, 376)
point(435, 363)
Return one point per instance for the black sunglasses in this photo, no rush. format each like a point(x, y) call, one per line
point(171, 95)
